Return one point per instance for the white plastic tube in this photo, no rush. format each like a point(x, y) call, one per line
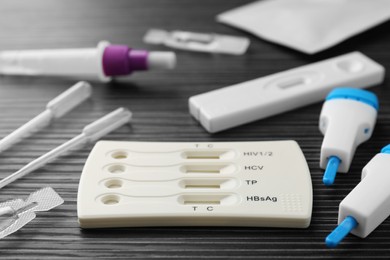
point(84, 63)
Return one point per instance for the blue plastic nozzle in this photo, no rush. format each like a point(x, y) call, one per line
point(331, 170)
point(386, 149)
point(338, 234)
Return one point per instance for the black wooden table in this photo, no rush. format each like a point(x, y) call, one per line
point(159, 103)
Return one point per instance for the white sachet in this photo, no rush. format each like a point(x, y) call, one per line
point(309, 26)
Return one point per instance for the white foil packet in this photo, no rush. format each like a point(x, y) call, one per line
point(308, 26)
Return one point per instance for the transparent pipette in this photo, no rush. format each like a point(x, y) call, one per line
point(56, 108)
point(90, 133)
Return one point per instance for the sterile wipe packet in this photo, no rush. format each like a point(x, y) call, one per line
point(309, 26)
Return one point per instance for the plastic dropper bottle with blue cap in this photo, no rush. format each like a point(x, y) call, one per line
point(347, 119)
point(368, 204)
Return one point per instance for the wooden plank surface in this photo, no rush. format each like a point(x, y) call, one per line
point(159, 102)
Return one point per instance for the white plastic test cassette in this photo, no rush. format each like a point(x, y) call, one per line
point(131, 184)
point(263, 97)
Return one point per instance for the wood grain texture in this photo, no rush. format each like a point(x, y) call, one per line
point(159, 102)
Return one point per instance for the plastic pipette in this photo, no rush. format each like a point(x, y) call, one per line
point(90, 133)
point(103, 62)
point(56, 108)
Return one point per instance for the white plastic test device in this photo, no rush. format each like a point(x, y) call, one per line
point(131, 184)
point(245, 102)
point(202, 42)
point(368, 204)
point(347, 119)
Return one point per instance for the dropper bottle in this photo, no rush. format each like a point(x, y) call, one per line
point(102, 63)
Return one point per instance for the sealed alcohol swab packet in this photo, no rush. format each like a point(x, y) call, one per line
point(14, 214)
point(201, 42)
point(308, 26)
point(56, 108)
point(89, 134)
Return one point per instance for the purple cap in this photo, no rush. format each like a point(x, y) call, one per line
point(119, 60)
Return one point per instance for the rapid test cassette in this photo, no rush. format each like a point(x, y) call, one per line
point(242, 103)
point(132, 184)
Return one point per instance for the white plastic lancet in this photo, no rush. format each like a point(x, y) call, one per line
point(368, 204)
point(347, 119)
point(202, 42)
point(90, 133)
point(14, 214)
point(56, 108)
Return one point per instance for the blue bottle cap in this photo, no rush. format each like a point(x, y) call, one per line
point(361, 95)
point(386, 149)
